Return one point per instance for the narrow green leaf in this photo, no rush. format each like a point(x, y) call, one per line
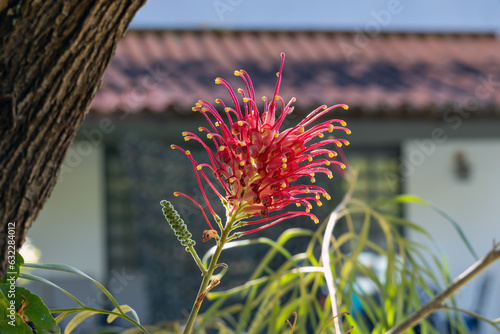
point(78, 319)
point(125, 309)
point(71, 270)
point(399, 199)
point(39, 279)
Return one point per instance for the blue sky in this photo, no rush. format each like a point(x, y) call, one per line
point(365, 15)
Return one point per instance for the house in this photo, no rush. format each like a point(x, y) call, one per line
point(424, 114)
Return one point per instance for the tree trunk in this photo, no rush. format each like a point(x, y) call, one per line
point(53, 55)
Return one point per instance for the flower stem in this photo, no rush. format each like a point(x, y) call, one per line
point(197, 260)
point(207, 278)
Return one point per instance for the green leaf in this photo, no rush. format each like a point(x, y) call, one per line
point(124, 309)
point(399, 199)
point(414, 199)
point(71, 270)
point(36, 311)
point(84, 309)
point(10, 322)
point(12, 268)
point(78, 319)
point(39, 279)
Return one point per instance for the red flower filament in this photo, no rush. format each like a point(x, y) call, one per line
point(256, 163)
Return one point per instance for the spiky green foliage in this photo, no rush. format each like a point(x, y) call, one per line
point(272, 294)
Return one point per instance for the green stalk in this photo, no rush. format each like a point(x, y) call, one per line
point(197, 260)
point(207, 277)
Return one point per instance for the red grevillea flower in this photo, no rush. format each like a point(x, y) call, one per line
point(256, 163)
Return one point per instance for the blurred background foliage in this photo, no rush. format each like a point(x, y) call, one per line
point(379, 284)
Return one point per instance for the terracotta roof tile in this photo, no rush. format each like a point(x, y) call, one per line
point(375, 74)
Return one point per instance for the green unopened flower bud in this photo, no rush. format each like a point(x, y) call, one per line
point(177, 224)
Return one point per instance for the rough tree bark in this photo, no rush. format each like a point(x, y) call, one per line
point(52, 57)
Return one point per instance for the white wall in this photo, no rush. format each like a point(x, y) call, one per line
point(428, 172)
point(71, 227)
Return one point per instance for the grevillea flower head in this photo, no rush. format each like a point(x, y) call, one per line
point(256, 163)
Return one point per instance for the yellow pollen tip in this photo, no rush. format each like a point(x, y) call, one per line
point(342, 166)
point(307, 191)
point(276, 98)
point(313, 180)
point(198, 167)
point(315, 220)
point(222, 148)
point(310, 159)
point(320, 204)
point(193, 108)
point(330, 129)
point(198, 105)
point(327, 196)
point(345, 106)
point(283, 166)
point(240, 90)
point(245, 99)
point(176, 194)
point(188, 153)
point(308, 210)
point(242, 163)
point(216, 123)
point(276, 135)
point(172, 147)
point(209, 136)
point(218, 81)
point(200, 129)
point(343, 123)
point(331, 155)
point(237, 73)
point(204, 109)
point(327, 163)
point(278, 74)
point(330, 176)
point(348, 131)
point(339, 144)
point(346, 143)
point(263, 98)
point(227, 109)
point(240, 123)
point(301, 130)
point(298, 204)
point(184, 133)
point(186, 139)
point(283, 185)
point(317, 196)
point(321, 135)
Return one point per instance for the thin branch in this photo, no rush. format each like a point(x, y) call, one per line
point(437, 302)
point(325, 252)
point(472, 314)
